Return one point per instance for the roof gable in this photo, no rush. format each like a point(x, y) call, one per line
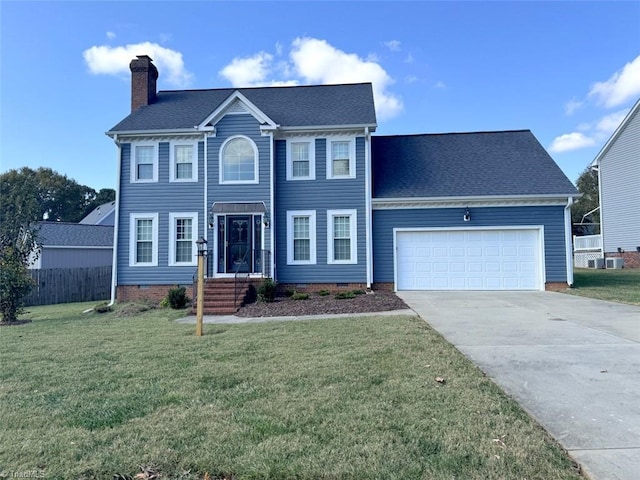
point(100, 214)
point(483, 164)
point(236, 103)
point(633, 113)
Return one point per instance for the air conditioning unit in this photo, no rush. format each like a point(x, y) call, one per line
point(615, 262)
point(595, 263)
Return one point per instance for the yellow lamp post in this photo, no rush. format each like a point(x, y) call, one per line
point(202, 251)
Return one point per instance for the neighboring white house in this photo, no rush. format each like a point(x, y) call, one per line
point(104, 214)
point(618, 166)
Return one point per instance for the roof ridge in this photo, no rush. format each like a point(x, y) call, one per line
point(265, 87)
point(524, 130)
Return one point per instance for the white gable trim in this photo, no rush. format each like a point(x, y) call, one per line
point(461, 202)
point(635, 109)
point(229, 104)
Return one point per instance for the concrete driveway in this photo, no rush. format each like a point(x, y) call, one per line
point(573, 363)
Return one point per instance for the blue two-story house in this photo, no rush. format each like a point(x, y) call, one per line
point(288, 182)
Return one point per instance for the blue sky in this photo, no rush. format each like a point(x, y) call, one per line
point(568, 71)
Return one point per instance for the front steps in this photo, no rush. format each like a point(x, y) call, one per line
point(220, 295)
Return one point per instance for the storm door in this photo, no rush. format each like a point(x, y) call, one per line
point(239, 240)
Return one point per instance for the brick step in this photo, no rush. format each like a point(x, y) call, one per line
point(219, 311)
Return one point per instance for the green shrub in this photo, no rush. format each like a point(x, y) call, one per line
point(324, 293)
point(299, 296)
point(267, 290)
point(345, 295)
point(176, 298)
point(359, 292)
point(289, 292)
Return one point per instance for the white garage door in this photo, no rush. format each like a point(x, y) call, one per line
point(468, 260)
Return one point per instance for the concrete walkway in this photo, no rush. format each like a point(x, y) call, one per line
point(573, 363)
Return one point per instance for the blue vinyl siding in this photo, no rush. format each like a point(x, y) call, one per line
point(228, 126)
point(161, 197)
point(320, 195)
point(552, 217)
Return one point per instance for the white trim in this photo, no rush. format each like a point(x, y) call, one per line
point(133, 162)
point(272, 215)
point(461, 202)
point(353, 236)
point(616, 134)
point(256, 162)
point(352, 157)
point(539, 228)
point(312, 158)
point(133, 217)
point(116, 226)
point(205, 206)
point(312, 236)
point(221, 111)
point(194, 161)
point(328, 128)
point(368, 209)
point(173, 216)
point(568, 241)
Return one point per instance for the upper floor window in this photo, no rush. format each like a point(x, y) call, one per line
point(239, 161)
point(144, 163)
point(301, 161)
point(184, 161)
point(143, 239)
point(341, 158)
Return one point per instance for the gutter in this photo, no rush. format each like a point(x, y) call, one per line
point(116, 225)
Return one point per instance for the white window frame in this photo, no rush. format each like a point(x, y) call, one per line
point(312, 158)
point(133, 162)
point(256, 162)
point(173, 161)
point(352, 157)
point(291, 214)
point(353, 231)
point(173, 216)
point(133, 236)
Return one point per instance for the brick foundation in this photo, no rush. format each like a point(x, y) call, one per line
point(631, 259)
point(555, 286)
point(149, 293)
point(383, 286)
point(316, 287)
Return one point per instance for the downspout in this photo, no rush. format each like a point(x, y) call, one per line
point(567, 240)
point(205, 213)
point(601, 211)
point(367, 189)
point(114, 262)
point(272, 243)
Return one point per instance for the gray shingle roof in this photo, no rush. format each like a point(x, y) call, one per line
point(299, 106)
point(75, 234)
point(98, 214)
point(465, 164)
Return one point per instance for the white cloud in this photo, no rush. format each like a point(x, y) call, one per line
point(622, 86)
point(410, 79)
point(317, 62)
point(572, 105)
point(393, 45)
point(106, 60)
point(608, 124)
point(571, 141)
point(248, 71)
point(409, 58)
point(111, 35)
point(440, 85)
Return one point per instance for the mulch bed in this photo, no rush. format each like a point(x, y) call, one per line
point(319, 305)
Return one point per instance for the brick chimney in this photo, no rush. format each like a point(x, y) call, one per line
point(144, 76)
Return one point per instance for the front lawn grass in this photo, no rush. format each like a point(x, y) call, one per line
point(94, 395)
point(621, 285)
